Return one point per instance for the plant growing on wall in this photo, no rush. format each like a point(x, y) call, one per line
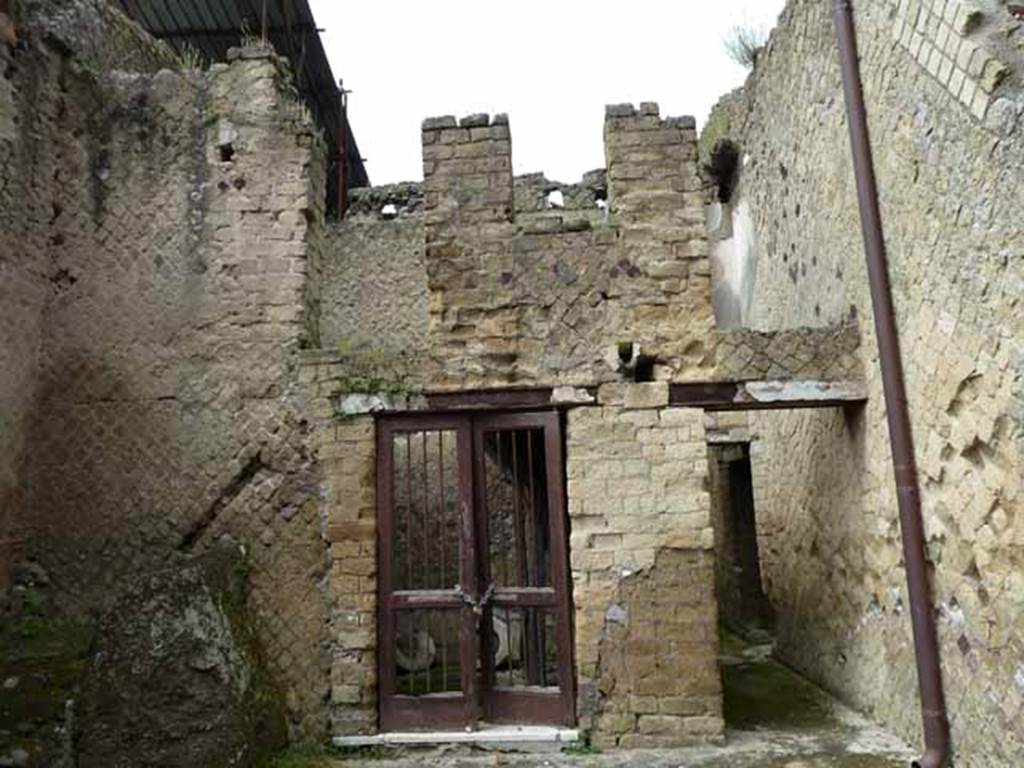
point(744, 44)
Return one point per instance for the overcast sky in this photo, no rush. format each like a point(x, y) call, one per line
point(552, 65)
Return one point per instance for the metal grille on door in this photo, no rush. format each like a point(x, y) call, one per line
point(475, 621)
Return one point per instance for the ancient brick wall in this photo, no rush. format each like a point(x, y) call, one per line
point(549, 298)
point(24, 288)
point(942, 83)
point(159, 246)
point(346, 449)
point(808, 354)
point(521, 290)
point(375, 278)
point(642, 565)
point(30, 115)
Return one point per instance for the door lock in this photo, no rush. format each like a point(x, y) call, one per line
point(477, 605)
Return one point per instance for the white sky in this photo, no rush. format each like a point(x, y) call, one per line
point(552, 65)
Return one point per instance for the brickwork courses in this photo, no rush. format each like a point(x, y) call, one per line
point(942, 86)
point(547, 298)
point(196, 356)
point(572, 298)
point(158, 269)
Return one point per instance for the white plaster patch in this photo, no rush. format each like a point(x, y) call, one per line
point(359, 403)
point(783, 391)
point(954, 615)
point(1019, 677)
point(617, 614)
point(571, 395)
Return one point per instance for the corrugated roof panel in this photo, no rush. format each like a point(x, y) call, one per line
point(215, 15)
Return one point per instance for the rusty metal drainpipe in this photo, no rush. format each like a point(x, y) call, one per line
point(926, 645)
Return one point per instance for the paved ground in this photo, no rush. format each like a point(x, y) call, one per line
point(776, 720)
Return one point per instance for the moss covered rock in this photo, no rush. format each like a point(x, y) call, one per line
point(178, 677)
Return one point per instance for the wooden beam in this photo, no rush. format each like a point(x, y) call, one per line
point(767, 395)
point(505, 399)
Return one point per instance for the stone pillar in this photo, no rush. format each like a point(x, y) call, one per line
point(643, 570)
point(655, 196)
point(348, 455)
point(467, 171)
point(652, 166)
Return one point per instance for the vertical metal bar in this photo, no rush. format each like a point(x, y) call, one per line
point(508, 644)
point(484, 568)
point(444, 564)
point(498, 507)
point(413, 622)
point(471, 520)
point(409, 584)
point(532, 562)
point(926, 644)
point(538, 671)
point(425, 523)
point(517, 520)
point(385, 556)
point(263, 23)
point(542, 643)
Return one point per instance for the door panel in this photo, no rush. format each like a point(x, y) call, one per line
point(474, 601)
point(426, 509)
point(525, 633)
point(428, 639)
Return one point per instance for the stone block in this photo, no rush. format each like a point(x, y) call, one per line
point(438, 123)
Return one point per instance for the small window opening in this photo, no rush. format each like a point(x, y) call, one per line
point(227, 152)
point(389, 211)
point(625, 352)
point(644, 369)
point(555, 199)
point(724, 167)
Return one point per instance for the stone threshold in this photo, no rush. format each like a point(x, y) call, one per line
point(526, 737)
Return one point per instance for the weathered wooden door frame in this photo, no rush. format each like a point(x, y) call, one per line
point(518, 705)
point(480, 697)
point(453, 709)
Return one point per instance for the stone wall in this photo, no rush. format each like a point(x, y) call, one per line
point(523, 292)
point(375, 284)
point(792, 354)
point(642, 565)
point(347, 453)
point(375, 280)
point(24, 288)
point(30, 115)
point(550, 298)
point(162, 226)
point(950, 179)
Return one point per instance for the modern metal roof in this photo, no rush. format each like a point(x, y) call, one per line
point(212, 26)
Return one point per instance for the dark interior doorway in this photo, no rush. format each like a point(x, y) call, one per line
point(742, 603)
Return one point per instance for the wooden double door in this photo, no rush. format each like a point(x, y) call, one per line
point(475, 619)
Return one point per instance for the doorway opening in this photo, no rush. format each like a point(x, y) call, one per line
point(474, 599)
point(743, 606)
